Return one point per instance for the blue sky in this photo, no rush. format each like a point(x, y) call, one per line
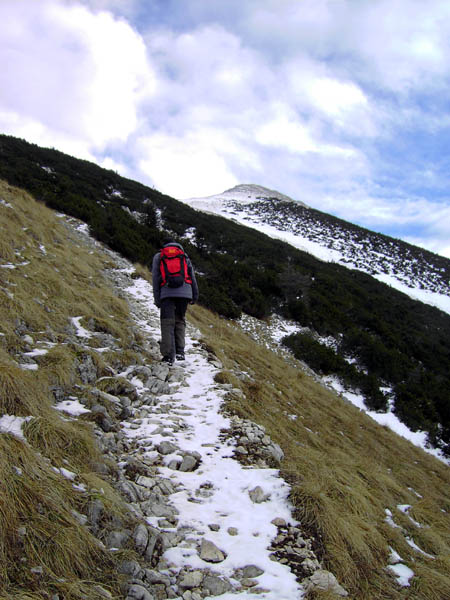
point(342, 104)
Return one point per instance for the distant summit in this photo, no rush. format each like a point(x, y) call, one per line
point(243, 194)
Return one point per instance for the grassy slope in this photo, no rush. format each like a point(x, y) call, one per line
point(54, 280)
point(345, 470)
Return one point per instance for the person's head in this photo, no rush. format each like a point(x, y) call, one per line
point(173, 244)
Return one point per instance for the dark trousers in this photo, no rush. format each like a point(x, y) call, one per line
point(173, 325)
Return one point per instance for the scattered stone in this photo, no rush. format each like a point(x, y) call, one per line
point(140, 537)
point(257, 495)
point(129, 567)
point(117, 539)
point(232, 531)
point(326, 582)
point(189, 463)
point(155, 546)
point(311, 565)
point(209, 552)
point(190, 579)
point(251, 571)
point(215, 586)
point(144, 481)
point(87, 369)
point(138, 592)
point(166, 447)
point(248, 583)
point(214, 527)
point(95, 512)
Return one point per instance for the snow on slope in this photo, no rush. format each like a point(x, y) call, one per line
point(403, 267)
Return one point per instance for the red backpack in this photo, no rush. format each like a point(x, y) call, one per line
point(173, 267)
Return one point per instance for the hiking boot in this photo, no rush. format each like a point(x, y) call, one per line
point(168, 360)
point(180, 356)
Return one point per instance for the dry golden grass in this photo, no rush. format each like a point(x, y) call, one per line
point(344, 469)
point(37, 524)
point(54, 279)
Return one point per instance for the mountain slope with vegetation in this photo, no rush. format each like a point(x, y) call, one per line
point(375, 506)
point(383, 339)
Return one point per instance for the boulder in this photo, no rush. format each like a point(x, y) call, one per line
point(326, 582)
point(209, 552)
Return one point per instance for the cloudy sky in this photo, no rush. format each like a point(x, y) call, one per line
point(343, 104)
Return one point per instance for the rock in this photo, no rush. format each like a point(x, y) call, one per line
point(155, 546)
point(248, 583)
point(279, 522)
point(144, 481)
point(158, 509)
point(257, 495)
point(166, 447)
point(140, 536)
point(214, 527)
point(188, 464)
point(106, 424)
point(232, 531)
point(157, 387)
point(166, 487)
point(99, 409)
point(95, 511)
point(117, 539)
point(118, 386)
point(160, 371)
point(129, 567)
point(215, 586)
point(325, 581)
point(87, 369)
point(174, 464)
point(138, 592)
point(129, 490)
point(251, 571)
point(154, 577)
point(190, 579)
point(275, 452)
point(311, 565)
point(209, 552)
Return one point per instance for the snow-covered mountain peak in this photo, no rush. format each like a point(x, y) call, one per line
point(240, 195)
point(414, 271)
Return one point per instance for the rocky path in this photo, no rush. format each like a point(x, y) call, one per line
point(208, 525)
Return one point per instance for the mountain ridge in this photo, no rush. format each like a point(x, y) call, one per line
point(422, 274)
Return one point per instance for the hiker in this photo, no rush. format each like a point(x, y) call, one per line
point(174, 287)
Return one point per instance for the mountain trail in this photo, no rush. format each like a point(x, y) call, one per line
point(209, 525)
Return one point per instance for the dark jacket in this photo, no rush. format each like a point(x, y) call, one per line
point(187, 290)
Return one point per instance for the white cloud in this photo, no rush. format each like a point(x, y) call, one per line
point(185, 165)
point(77, 74)
point(283, 129)
point(336, 97)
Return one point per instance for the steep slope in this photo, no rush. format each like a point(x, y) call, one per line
point(115, 469)
point(421, 274)
point(392, 349)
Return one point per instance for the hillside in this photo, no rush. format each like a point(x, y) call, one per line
point(415, 271)
point(115, 493)
point(392, 349)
